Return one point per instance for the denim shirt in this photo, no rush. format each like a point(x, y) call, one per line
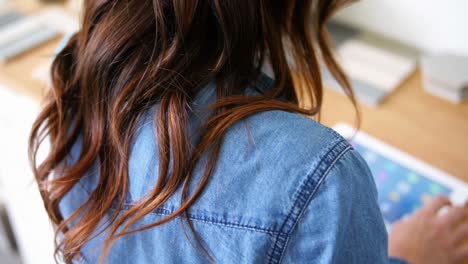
point(285, 190)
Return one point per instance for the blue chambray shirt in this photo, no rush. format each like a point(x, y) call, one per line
point(285, 190)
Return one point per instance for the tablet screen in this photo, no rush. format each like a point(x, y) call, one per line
point(401, 189)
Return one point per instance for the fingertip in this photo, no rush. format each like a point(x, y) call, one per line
point(436, 203)
point(455, 215)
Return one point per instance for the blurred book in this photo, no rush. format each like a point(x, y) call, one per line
point(20, 33)
point(23, 33)
point(8, 16)
point(446, 76)
point(375, 65)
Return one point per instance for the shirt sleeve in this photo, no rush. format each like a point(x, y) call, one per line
point(342, 222)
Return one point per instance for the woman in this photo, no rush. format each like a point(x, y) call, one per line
point(170, 145)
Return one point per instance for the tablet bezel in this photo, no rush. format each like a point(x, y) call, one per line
point(459, 194)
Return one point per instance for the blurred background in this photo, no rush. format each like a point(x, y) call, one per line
point(407, 61)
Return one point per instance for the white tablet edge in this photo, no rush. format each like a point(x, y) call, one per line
point(459, 195)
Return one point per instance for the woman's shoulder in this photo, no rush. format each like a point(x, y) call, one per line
point(269, 165)
point(307, 183)
point(280, 132)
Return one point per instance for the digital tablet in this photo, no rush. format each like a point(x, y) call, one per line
point(403, 182)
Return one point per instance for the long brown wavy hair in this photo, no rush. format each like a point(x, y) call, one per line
point(132, 55)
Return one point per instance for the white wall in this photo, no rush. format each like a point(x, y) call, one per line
point(432, 25)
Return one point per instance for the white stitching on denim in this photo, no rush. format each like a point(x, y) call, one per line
point(313, 169)
point(325, 174)
point(211, 220)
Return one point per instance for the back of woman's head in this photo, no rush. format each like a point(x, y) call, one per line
point(132, 55)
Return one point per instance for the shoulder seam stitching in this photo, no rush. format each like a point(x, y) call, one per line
point(210, 220)
point(300, 208)
point(325, 174)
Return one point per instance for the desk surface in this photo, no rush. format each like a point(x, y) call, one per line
point(424, 126)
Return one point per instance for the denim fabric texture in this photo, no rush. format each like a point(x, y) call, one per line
point(285, 190)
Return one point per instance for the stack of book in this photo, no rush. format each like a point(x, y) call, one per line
point(375, 65)
point(21, 33)
point(446, 76)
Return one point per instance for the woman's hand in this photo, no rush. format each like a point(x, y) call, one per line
point(428, 237)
